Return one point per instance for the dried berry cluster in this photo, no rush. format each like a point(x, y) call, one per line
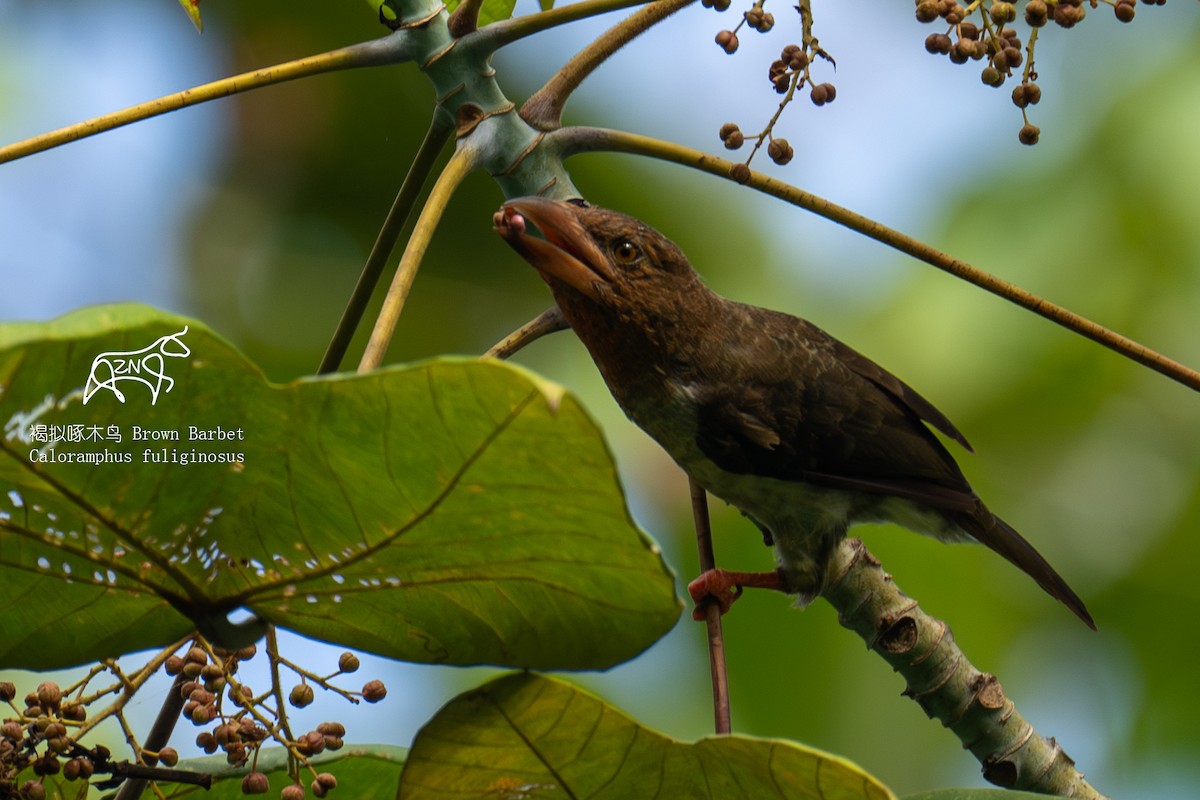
point(42, 739)
point(242, 722)
point(755, 18)
point(788, 74)
point(39, 740)
point(983, 32)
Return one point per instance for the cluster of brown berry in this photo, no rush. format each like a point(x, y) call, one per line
point(787, 74)
point(982, 32)
point(779, 149)
point(42, 724)
point(245, 722)
point(42, 740)
point(755, 18)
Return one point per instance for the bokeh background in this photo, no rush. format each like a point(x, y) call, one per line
point(255, 214)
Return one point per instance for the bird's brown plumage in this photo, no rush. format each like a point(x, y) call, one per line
point(802, 433)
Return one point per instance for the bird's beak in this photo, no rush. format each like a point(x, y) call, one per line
point(566, 251)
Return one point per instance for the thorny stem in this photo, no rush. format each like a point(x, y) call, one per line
point(418, 172)
point(366, 54)
point(804, 9)
point(578, 140)
point(130, 738)
point(543, 110)
point(969, 703)
point(459, 166)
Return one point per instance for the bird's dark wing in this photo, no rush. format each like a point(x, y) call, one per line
point(817, 411)
point(889, 383)
point(842, 421)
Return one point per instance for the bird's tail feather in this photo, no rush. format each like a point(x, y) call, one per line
point(1002, 538)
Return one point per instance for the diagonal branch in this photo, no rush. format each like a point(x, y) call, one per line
point(549, 321)
point(498, 34)
point(970, 703)
point(579, 140)
point(388, 50)
point(160, 734)
point(712, 612)
point(543, 110)
point(418, 172)
point(460, 165)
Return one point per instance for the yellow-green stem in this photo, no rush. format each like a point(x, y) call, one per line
point(459, 166)
point(366, 54)
point(397, 217)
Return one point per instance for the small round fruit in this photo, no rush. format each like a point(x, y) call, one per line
point(301, 695)
point(255, 783)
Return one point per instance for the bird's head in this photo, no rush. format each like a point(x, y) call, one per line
point(614, 261)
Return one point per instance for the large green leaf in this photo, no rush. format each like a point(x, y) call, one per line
point(531, 736)
point(454, 511)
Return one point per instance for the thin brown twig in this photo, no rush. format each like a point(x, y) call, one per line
point(712, 612)
point(940, 678)
point(157, 738)
point(78, 687)
point(130, 737)
point(129, 689)
point(578, 140)
point(549, 321)
point(276, 686)
point(435, 139)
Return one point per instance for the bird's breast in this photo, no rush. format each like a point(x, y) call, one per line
point(671, 417)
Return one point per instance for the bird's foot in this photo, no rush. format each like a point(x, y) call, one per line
point(722, 587)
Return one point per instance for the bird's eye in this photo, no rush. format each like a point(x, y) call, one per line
point(625, 252)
